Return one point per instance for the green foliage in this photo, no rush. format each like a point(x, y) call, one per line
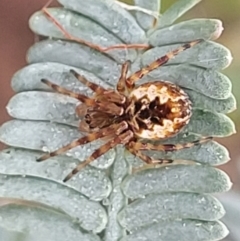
point(170, 203)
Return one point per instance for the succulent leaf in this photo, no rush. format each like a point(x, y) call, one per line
point(107, 200)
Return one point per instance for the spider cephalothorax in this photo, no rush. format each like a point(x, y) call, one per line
point(153, 111)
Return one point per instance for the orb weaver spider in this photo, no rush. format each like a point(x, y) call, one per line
point(151, 111)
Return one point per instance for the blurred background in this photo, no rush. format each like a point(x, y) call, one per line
point(16, 38)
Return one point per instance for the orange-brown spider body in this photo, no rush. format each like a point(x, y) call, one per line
point(154, 110)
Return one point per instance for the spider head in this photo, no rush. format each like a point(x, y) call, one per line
point(158, 110)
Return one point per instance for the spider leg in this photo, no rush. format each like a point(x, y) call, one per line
point(111, 96)
point(82, 41)
point(120, 139)
point(115, 128)
point(110, 108)
point(157, 63)
point(145, 158)
point(121, 85)
point(81, 110)
point(83, 98)
point(169, 147)
point(94, 87)
point(101, 92)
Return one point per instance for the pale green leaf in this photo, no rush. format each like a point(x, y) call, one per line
point(42, 224)
point(91, 215)
point(187, 31)
point(182, 229)
point(90, 182)
point(176, 178)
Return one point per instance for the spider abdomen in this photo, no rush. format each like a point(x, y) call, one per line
point(158, 110)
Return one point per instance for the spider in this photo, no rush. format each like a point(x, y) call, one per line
point(153, 111)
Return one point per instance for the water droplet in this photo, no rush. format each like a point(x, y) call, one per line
point(106, 202)
point(45, 149)
point(49, 116)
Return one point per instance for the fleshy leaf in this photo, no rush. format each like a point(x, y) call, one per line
point(48, 137)
point(210, 153)
point(187, 31)
point(91, 215)
point(176, 178)
point(75, 55)
point(170, 206)
point(90, 182)
point(170, 201)
point(207, 54)
point(38, 105)
point(206, 103)
point(29, 77)
point(210, 124)
point(42, 224)
point(205, 81)
point(80, 27)
point(111, 16)
point(182, 229)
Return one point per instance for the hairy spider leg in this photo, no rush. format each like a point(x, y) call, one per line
point(91, 45)
point(120, 139)
point(121, 85)
point(145, 158)
point(101, 93)
point(94, 87)
point(168, 147)
point(110, 108)
point(83, 98)
point(130, 81)
point(115, 128)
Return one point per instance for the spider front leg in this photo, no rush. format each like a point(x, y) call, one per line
point(121, 139)
point(130, 81)
point(107, 107)
point(101, 93)
point(84, 42)
point(83, 98)
point(94, 87)
point(121, 85)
